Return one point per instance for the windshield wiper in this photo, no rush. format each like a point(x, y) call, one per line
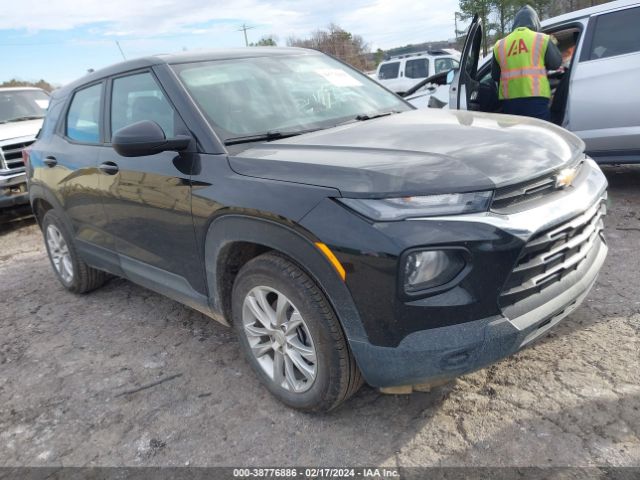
point(26, 117)
point(265, 137)
point(363, 116)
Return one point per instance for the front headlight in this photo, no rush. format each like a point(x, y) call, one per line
point(386, 209)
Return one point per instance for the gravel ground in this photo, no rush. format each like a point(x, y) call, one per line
point(70, 366)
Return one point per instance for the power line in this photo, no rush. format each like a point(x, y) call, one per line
point(244, 29)
point(102, 41)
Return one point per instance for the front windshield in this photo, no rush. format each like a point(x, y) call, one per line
point(252, 96)
point(18, 105)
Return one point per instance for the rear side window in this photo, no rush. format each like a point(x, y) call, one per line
point(83, 116)
point(418, 68)
point(616, 33)
point(139, 97)
point(389, 70)
point(51, 119)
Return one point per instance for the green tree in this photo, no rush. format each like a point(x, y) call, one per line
point(484, 9)
point(378, 56)
point(266, 41)
point(497, 15)
point(543, 7)
point(504, 11)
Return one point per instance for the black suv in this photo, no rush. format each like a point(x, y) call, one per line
point(346, 236)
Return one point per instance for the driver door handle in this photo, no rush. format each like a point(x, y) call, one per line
point(50, 161)
point(110, 168)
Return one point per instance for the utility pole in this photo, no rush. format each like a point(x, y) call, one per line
point(244, 29)
point(120, 48)
point(455, 20)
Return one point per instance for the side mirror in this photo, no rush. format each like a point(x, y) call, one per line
point(146, 138)
point(451, 75)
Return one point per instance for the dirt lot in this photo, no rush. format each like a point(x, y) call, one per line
point(68, 362)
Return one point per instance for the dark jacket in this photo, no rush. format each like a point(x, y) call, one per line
point(527, 17)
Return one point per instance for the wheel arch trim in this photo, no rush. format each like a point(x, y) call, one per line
point(38, 192)
point(231, 228)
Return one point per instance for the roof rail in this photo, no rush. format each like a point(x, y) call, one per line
point(435, 52)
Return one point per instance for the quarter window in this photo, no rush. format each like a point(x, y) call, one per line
point(616, 33)
point(445, 64)
point(417, 68)
point(83, 117)
point(389, 70)
point(139, 97)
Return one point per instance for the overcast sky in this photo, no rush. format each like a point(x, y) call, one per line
point(58, 40)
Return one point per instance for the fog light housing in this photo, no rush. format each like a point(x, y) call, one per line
point(425, 269)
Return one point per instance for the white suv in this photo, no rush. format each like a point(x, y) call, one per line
point(401, 73)
point(21, 112)
point(595, 93)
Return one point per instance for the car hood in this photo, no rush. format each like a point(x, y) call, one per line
point(26, 128)
point(415, 152)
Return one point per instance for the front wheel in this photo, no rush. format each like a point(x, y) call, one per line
point(291, 336)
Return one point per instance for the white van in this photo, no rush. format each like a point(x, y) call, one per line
point(401, 73)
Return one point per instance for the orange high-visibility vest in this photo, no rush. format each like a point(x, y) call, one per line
point(521, 58)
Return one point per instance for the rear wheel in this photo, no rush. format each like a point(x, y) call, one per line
point(74, 274)
point(291, 336)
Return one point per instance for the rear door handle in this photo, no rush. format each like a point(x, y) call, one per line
point(109, 168)
point(50, 161)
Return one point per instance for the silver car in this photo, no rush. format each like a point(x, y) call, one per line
point(596, 94)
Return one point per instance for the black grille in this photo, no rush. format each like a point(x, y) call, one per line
point(522, 193)
point(12, 155)
point(552, 254)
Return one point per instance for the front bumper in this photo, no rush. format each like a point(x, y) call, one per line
point(428, 356)
point(440, 353)
point(13, 190)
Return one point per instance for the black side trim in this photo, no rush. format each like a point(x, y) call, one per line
point(166, 283)
point(99, 257)
point(615, 156)
point(585, 53)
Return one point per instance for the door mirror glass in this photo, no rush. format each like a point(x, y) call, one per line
point(451, 75)
point(146, 138)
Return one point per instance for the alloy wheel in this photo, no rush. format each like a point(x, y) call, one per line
point(279, 339)
point(59, 252)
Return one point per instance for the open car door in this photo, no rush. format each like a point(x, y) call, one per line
point(463, 94)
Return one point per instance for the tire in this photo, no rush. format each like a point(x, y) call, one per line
point(74, 274)
point(332, 375)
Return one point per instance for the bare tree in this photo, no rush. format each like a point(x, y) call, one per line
point(336, 41)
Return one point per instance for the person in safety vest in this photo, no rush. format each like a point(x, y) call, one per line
point(520, 64)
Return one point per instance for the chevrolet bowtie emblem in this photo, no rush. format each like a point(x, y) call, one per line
point(565, 177)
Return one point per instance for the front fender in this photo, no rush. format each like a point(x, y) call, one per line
point(298, 246)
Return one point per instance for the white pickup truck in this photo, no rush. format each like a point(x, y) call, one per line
point(21, 112)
